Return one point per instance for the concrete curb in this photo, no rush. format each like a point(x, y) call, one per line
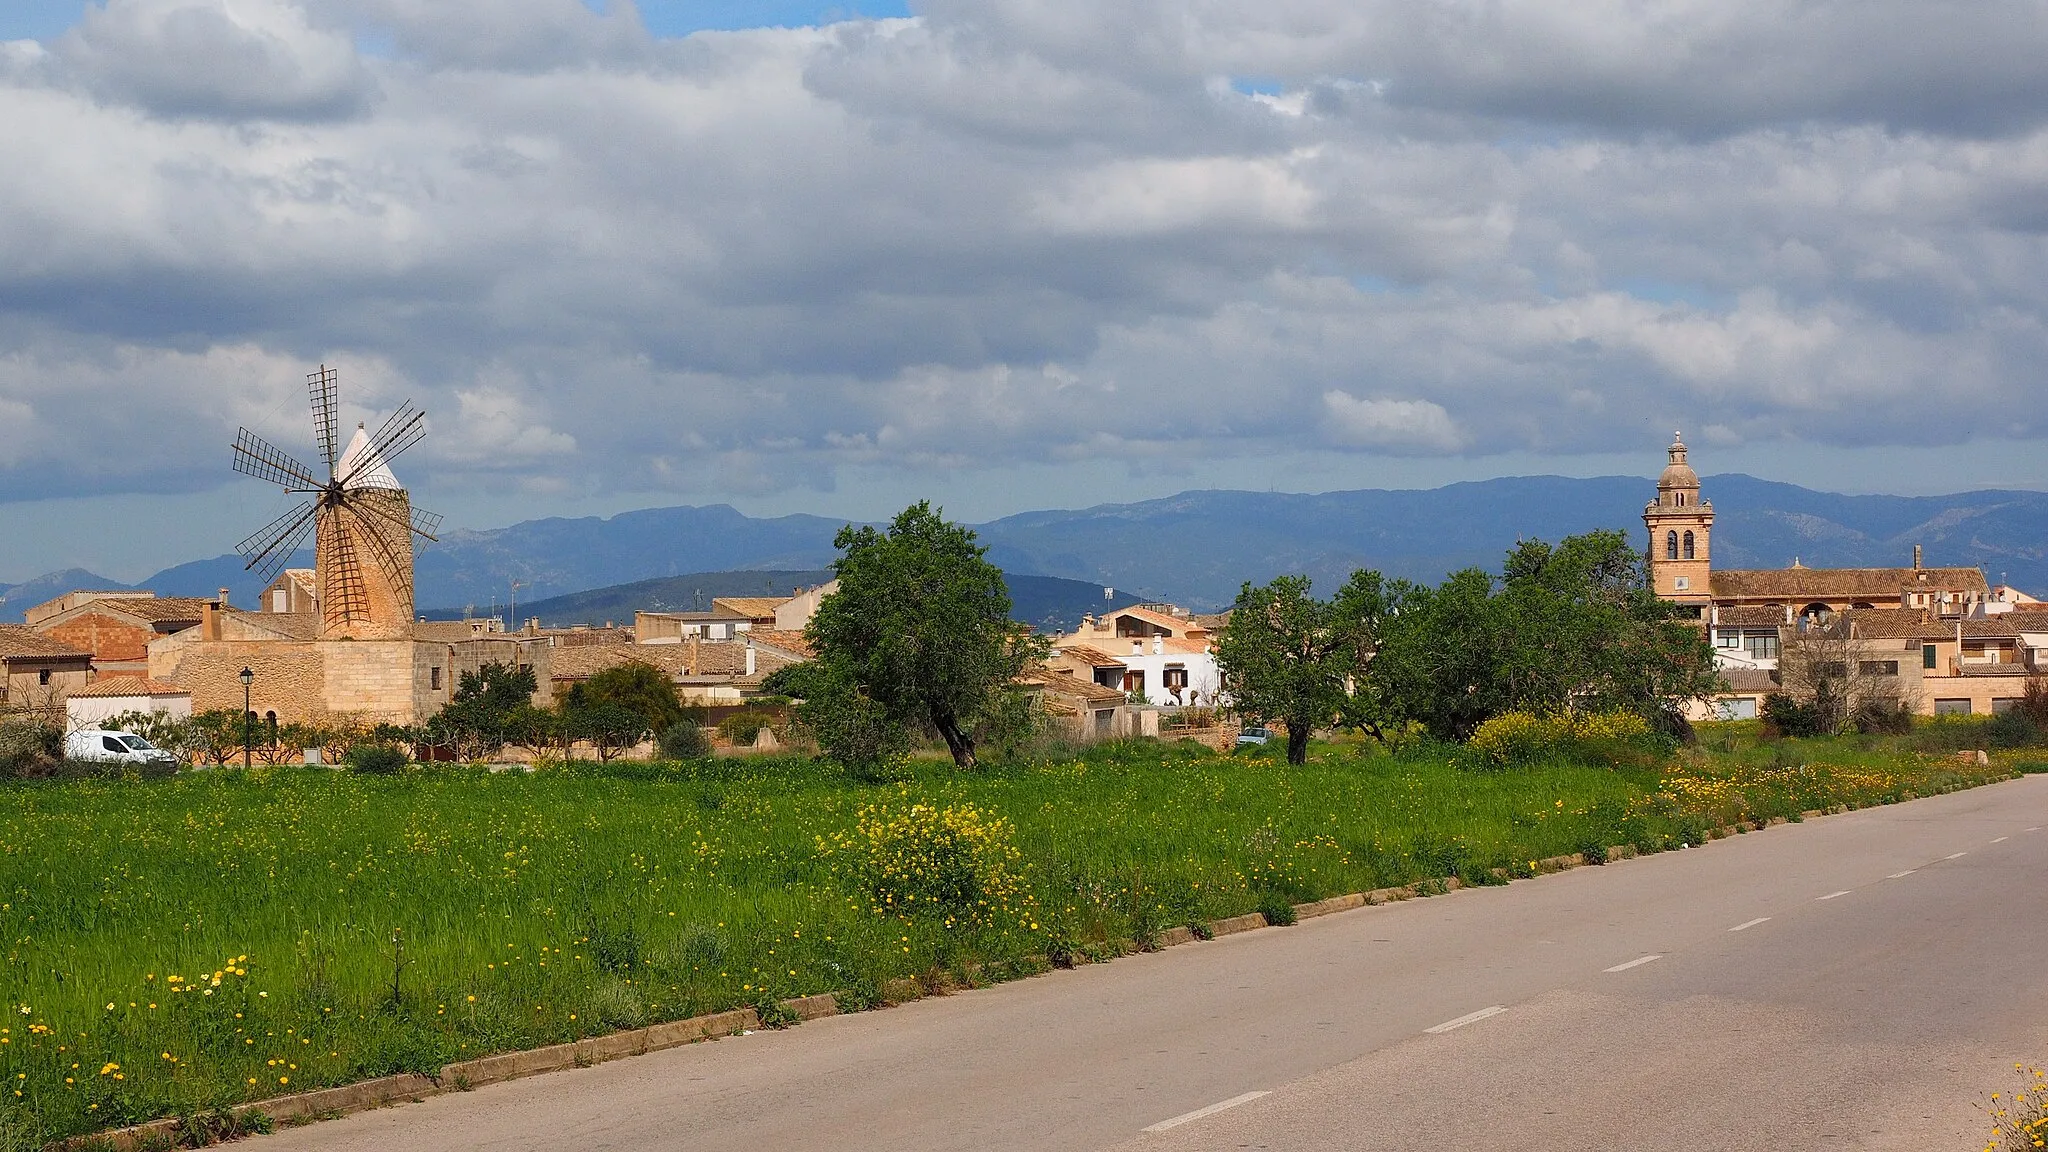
point(329, 1103)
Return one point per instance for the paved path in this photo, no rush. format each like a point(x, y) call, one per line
point(1851, 982)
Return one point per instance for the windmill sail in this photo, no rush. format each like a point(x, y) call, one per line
point(361, 517)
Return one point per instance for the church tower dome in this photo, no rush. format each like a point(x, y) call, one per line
point(1681, 525)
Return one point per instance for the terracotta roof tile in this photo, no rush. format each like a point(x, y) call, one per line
point(1749, 680)
point(163, 609)
point(21, 641)
point(752, 607)
point(1841, 583)
point(1752, 617)
point(1086, 654)
point(116, 686)
point(787, 641)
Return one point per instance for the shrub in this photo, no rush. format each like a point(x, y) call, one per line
point(377, 759)
point(1519, 738)
point(1884, 718)
point(684, 741)
point(2013, 729)
point(743, 727)
point(1785, 716)
point(957, 864)
point(29, 749)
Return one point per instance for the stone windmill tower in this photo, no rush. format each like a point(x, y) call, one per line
point(361, 518)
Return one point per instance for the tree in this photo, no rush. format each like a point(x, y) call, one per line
point(1839, 678)
point(608, 728)
point(478, 722)
point(918, 634)
point(1287, 656)
point(1573, 627)
point(641, 688)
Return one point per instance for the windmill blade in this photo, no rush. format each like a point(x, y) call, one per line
point(344, 596)
point(377, 530)
point(421, 521)
point(405, 428)
point(321, 388)
point(255, 456)
point(273, 545)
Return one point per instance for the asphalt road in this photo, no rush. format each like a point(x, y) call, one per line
point(1855, 981)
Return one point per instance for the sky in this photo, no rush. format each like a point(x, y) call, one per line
point(1006, 254)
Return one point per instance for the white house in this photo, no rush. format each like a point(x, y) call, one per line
point(1156, 651)
point(111, 696)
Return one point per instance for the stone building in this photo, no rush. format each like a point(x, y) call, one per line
point(116, 627)
point(1946, 642)
point(37, 673)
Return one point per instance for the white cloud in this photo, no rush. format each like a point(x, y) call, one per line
point(1011, 233)
point(1390, 425)
point(225, 59)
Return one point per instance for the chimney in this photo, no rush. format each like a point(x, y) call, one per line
point(1916, 557)
point(696, 650)
point(209, 621)
point(750, 656)
point(223, 597)
point(1158, 646)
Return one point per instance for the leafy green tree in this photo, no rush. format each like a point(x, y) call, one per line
point(477, 723)
point(608, 728)
point(1288, 656)
point(1570, 627)
point(918, 634)
point(641, 688)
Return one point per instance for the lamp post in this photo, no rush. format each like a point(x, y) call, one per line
point(248, 677)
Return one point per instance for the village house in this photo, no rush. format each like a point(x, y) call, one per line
point(109, 697)
point(1948, 642)
point(709, 673)
point(116, 627)
point(38, 673)
point(1154, 652)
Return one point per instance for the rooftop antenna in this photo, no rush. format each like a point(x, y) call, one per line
point(513, 611)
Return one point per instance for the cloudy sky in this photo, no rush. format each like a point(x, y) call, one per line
point(1007, 253)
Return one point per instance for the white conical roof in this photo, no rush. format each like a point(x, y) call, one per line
point(366, 463)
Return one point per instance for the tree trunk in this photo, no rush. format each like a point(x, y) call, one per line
point(1297, 742)
point(957, 742)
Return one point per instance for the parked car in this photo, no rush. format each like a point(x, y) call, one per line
point(1254, 736)
point(105, 747)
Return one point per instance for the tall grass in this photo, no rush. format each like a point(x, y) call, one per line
point(177, 945)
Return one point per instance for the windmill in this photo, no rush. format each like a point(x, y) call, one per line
point(362, 519)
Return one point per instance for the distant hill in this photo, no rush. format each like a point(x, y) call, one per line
point(1198, 547)
point(1047, 603)
point(19, 598)
point(617, 603)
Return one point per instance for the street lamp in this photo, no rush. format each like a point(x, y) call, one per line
point(248, 677)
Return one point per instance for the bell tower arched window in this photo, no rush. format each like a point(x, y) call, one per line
point(1688, 546)
point(1671, 545)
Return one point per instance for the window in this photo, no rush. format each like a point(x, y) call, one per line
point(279, 600)
point(43, 676)
point(1671, 545)
point(1728, 638)
point(1738, 708)
point(434, 679)
point(1878, 667)
point(1951, 707)
point(1688, 546)
point(1683, 582)
point(1927, 656)
point(1762, 645)
point(112, 745)
point(2004, 704)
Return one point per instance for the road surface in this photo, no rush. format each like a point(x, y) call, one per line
point(1852, 982)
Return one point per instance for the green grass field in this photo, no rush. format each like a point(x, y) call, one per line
point(181, 944)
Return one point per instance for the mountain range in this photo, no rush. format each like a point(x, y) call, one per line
point(1198, 547)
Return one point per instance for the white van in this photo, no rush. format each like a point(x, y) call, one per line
point(106, 747)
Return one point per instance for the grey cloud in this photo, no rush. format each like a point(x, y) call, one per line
point(1006, 234)
point(259, 59)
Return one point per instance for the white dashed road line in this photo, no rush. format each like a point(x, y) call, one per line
point(1211, 1110)
point(1467, 1018)
point(2001, 839)
point(1749, 923)
point(1832, 895)
point(1955, 856)
point(1907, 872)
point(1637, 962)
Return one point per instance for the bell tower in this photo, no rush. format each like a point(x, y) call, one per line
point(1681, 526)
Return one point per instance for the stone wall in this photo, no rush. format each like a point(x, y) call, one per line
point(302, 680)
point(372, 606)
